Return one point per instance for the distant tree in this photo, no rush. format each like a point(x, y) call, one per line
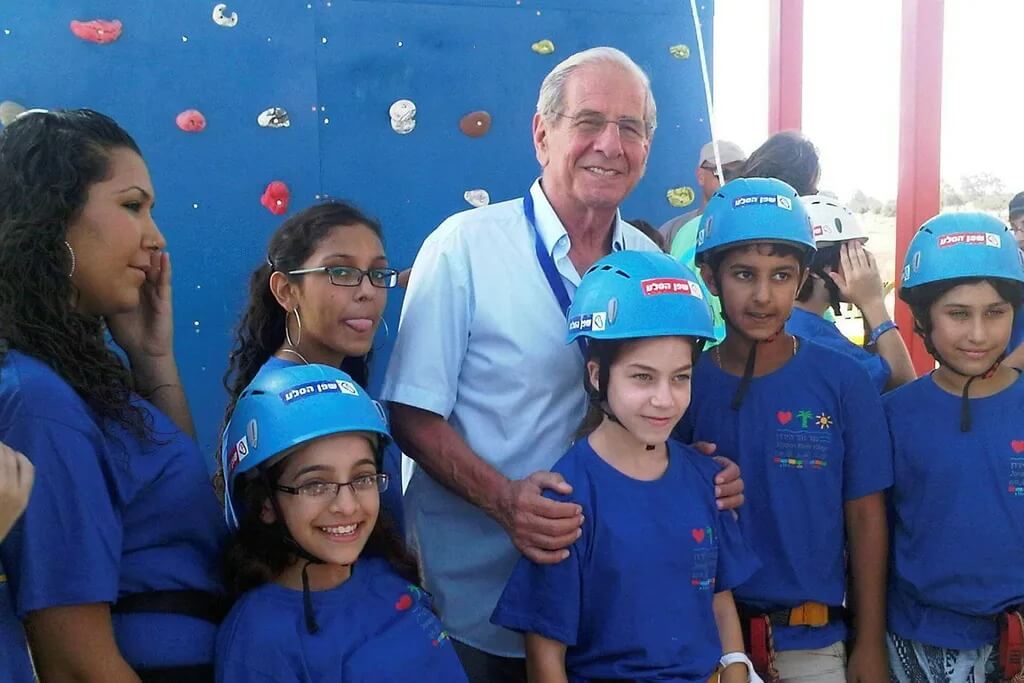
point(979, 185)
point(888, 209)
point(862, 203)
point(950, 197)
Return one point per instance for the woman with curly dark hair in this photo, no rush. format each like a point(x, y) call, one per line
point(113, 568)
point(318, 298)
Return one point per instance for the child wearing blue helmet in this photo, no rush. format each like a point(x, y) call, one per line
point(327, 590)
point(956, 587)
point(803, 421)
point(645, 591)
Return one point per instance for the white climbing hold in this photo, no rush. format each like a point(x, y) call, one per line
point(222, 18)
point(403, 116)
point(477, 197)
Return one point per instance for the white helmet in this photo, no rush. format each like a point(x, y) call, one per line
point(831, 221)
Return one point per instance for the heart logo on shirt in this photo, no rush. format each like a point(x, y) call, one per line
point(698, 535)
point(784, 416)
point(404, 603)
point(1017, 446)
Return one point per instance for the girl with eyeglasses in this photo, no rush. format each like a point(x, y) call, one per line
point(318, 298)
point(326, 592)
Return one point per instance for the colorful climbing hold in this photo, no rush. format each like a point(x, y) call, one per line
point(9, 111)
point(475, 124)
point(403, 116)
point(543, 47)
point(680, 51)
point(275, 117)
point(222, 18)
point(275, 198)
point(191, 121)
point(680, 196)
point(100, 31)
point(477, 197)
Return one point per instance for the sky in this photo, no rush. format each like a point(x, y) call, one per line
point(851, 88)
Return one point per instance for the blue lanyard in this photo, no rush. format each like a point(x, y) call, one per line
point(547, 264)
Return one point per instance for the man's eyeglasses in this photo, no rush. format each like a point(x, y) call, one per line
point(592, 125)
point(347, 276)
point(376, 483)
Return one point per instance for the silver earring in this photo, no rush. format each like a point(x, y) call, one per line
point(72, 253)
point(287, 334)
point(387, 333)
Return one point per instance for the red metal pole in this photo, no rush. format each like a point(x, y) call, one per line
point(917, 197)
point(786, 65)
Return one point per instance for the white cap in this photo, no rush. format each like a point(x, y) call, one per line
point(729, 151)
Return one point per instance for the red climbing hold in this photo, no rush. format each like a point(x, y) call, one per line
point(191, 121)
point(276, 197)
point(99, 31)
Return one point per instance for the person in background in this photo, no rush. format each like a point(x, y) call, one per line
point(787, 156)
point(649, 230)
point(732, 157)
point(843, 270)
point(1015, 350)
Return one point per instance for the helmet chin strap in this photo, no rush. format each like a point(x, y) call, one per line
point(748, 368)
point(965, 401)
point(286, 535)
point(601, 403)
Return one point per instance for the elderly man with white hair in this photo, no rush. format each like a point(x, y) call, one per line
point(485, 395)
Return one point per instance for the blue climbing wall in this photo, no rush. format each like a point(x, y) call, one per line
point(335, 67)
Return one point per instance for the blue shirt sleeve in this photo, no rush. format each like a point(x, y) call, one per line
point(737, 561)
point(67, 548)
point(435, 322)
point(867, 460)
point(546, 598)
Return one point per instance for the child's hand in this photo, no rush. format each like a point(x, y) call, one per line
point(868, 662)
point(16, 477)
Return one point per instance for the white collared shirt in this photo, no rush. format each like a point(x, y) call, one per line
point(481, 342)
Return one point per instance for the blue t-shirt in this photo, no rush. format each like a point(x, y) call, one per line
point(807, 325)
point(957, 514)
point(374, 628)
point(633, 600)
point(391, 500)
point(14, 659)
point(109, 516)
point(809, 438)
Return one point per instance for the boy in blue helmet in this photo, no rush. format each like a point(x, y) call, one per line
point(327, 590)
point(645, 591)
point(804, 422)
point(957, 504)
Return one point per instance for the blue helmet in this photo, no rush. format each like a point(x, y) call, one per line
point(753, 210)
point(632, 294)
point(287, 407)
point(958, 245)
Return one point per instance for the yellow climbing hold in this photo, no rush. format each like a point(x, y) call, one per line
point(543, 47)
point(680, 51)
point(680, 196)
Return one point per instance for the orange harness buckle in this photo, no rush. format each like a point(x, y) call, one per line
point(1011, 646)
point(809, 614)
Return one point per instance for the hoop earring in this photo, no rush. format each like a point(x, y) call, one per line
point(72, 253)
point(287, 334)
point(387, 333)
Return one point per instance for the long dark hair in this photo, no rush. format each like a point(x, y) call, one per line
point(260, 331)
point(258, 552)
point(48, 161)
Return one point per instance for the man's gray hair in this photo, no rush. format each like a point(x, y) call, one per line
point(552, 91)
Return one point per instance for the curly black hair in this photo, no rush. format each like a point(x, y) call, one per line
point(48, 161)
